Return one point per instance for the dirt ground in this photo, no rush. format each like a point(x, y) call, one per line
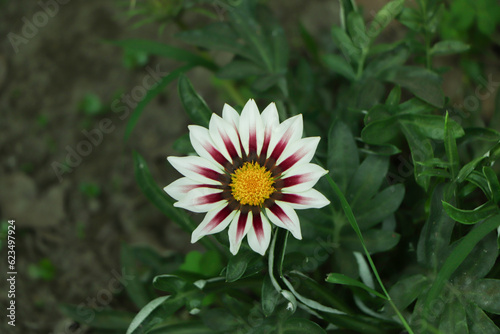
point(46, 70)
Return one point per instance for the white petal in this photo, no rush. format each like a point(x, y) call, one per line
point(225, 137)
point(298, 153)
point(305, 200)
point(251, 128)
point(259, 235)
point(180, 187)
point(238, 229)
point(231, 116)
point(283, 215)
point(204, 146)
point(302, 177)
point(201, 200)
point(287, 132)
point(197, 169)
point(215, 221)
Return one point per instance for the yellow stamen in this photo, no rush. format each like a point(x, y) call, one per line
point(251, 184)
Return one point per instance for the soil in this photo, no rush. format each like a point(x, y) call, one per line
point(75, 217)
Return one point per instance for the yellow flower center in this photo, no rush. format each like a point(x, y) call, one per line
point(251, 184)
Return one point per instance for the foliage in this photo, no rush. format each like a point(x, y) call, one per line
point(410, 241)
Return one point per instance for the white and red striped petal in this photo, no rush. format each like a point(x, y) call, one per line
point(204, 146)
point(305, 200)
point(239, 227)
point(197, 169)
point(270, 119)
point(302, 177)
point(215, 221)
point(298, 153)
point(287, 132)
point(225, 137)
point(251, 128)
point(284, 216)
point(259, 235)
point(201, 200)
point(180, 187)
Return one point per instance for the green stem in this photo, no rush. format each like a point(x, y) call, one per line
point(352, 220)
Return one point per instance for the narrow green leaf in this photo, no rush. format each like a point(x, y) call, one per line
point(433, 126)
point(301, 326)
point(381, 206)
point(194, 105)
point(480, 180)
point(191, 327)
point(269, 296)
point(164, 50)
point(343, 158)
point(376, 241)
point(457, 256)
point(479, 322)
point(468, 168)
point(169, 283)
point(152, 314)
point(135, 288)
point(478, 262)
point(98, 319)
point(336, 278)
point(450, 146)
point(484, 134)
point(237, 265)
point(380, 132)
point(151, 94)
point(406, 290)
point(471, 216)
point(346, 7)
point(339, 65)
point(448, 47)
point(493, 183)
point(344, 42)
point(356, 29)
point(394, 97)
point(384, 17)
point(240, 69)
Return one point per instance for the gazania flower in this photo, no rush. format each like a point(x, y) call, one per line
point(252, 171)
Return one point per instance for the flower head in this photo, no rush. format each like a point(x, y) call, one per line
point(251, 171)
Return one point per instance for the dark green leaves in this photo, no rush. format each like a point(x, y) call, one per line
point(343, 157)
point(195, 107)
point(342, 279)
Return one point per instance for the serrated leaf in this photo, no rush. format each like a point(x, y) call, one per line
point(471, 216)
point(336, 278)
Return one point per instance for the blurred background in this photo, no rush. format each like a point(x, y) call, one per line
point(66, 94)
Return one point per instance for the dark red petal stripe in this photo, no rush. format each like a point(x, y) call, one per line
point(219, 217)
point(278, 211)
point(265, 145)
point(252, 142)
point(280, 147)
point(240, 229)
point(208, 173)
point(292, 160)
point(296, 199)
point(211, 198)
point(215, 154)
point(188, 187)
point(229, 145)
point(294, 180)
point(258, 226)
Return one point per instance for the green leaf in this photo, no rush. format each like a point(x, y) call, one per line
point(151, 94)
point(411, 18)
point(453, 319)
point(339, 65)
point(164, 50)
point(135, 288)
point(336, 278)
point(269, 296)
point(152, 314)
point(367, 179)
point(406, 290)
point(380, 132)
point(381, 206)
point(191, 327)
point(98, 319)
point(493, 183)
point(344, 43)
point(357, 30)
point(346, 7)
point(433, 126)
point(471, 216)
point(237, 265)
point(424, 83)
point(183, 144)
point(301, 326)
point(384, 17)
point(457, 256)
point(379, 65)
point(469, 168)
point(194, 105)
point(343, 158)
point(485, 134)
point(450, 146)
point(448, 48)
point(169, 283)
point(479, 322)
point(485, 293)
point(394, 97)
point(376, 241)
